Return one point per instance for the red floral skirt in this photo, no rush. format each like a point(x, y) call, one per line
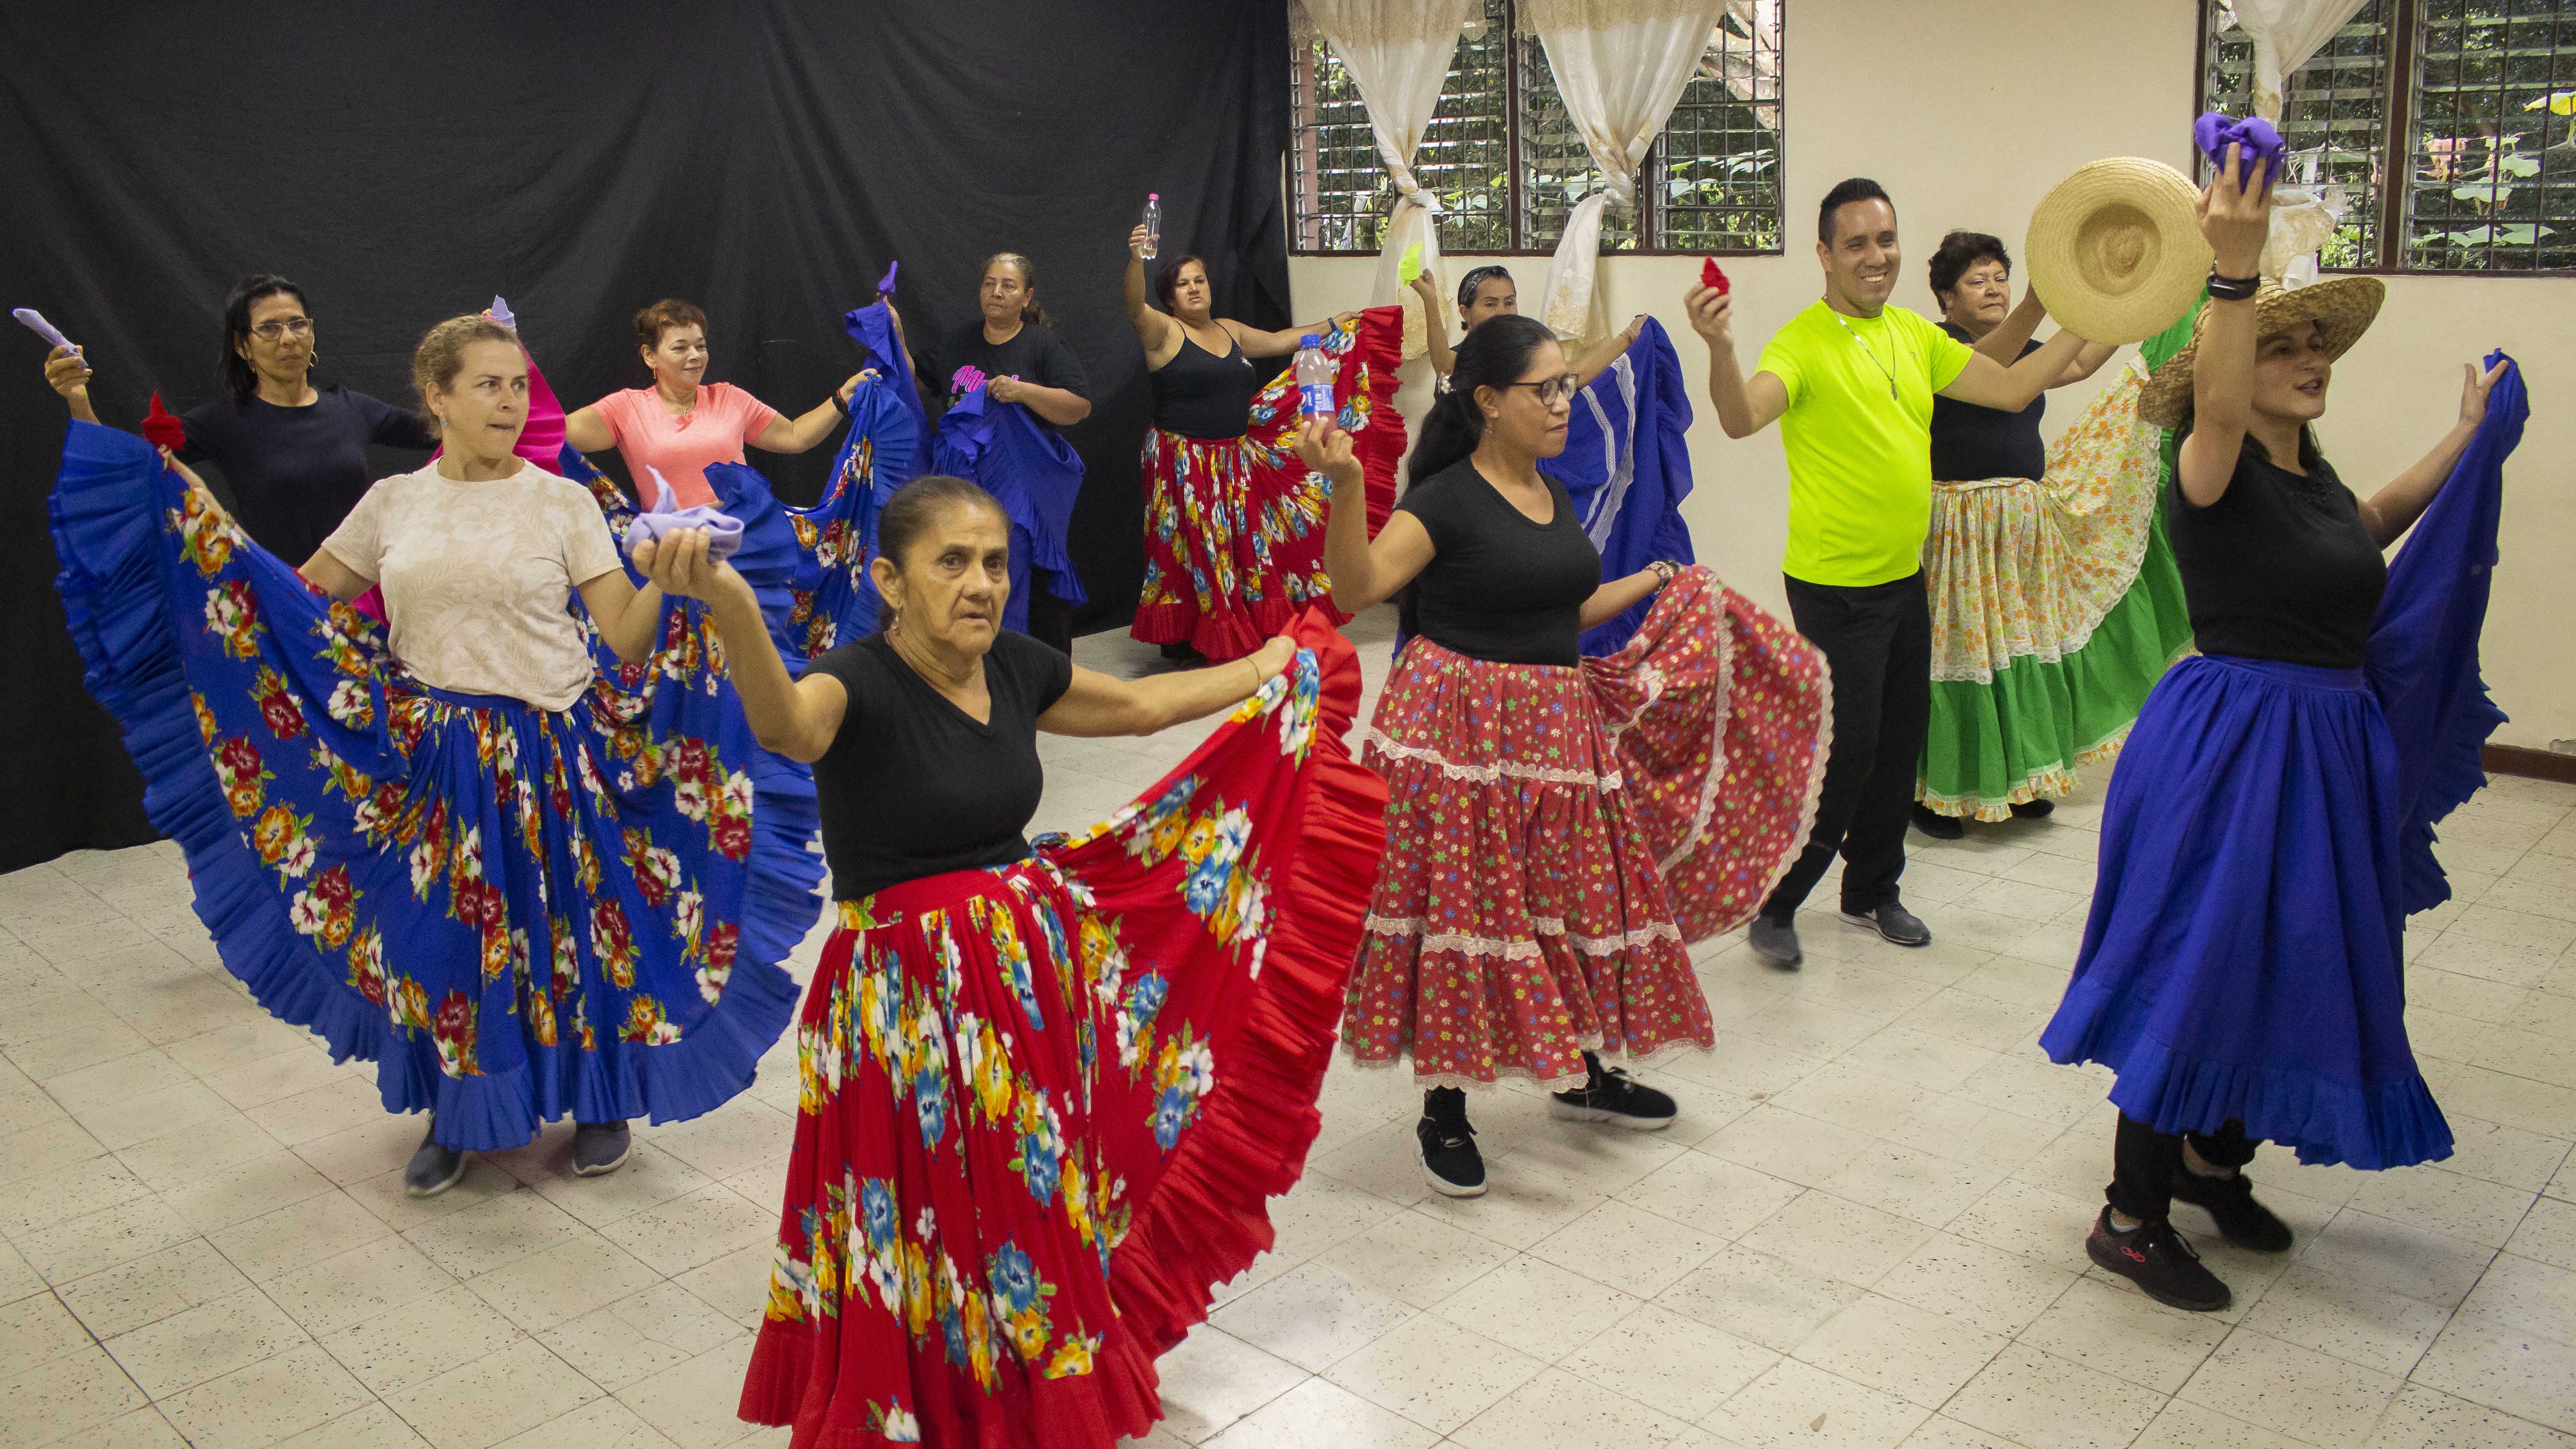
point(1044, 1105)
point(1234, 527)
point(1556, 836)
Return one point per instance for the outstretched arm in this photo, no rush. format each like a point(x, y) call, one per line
point(588, 432)
point(1363, 570)
point(2088, 361)
point(1989, 383)
point(1257, 343)
point(798, 718)
point(2392, 510)
point(1103, 704)
point(801, 434)
point(1616, 596)
point(1598, 360)
point(1743, 407)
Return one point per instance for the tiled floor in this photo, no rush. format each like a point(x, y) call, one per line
point(1865, 1229)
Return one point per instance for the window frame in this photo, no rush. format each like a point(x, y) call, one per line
point(2396, 150)
point(1515, 183)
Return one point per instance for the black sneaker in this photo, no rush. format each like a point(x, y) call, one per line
point(2154, 1256)
point(1894, 922)
point(599, 1148)
point(2034, 809)
point(1450, 1161)
point(2241, 1220)
point(1937, 825)
point(1612, 1096)
point(434, 1167)
point(1775, 942)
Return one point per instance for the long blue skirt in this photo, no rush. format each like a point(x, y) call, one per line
point(2243, 956)
point(518, 914)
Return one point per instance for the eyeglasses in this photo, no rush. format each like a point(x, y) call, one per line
point(1551, 390)
point(291, 327)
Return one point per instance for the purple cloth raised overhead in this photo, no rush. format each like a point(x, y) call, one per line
point(2214, 132)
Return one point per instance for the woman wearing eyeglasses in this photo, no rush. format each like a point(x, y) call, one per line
point(294, 454)
point(1541, 876)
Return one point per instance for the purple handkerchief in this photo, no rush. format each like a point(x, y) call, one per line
point(885, 284)
point(2214, 132)
point(35, 322)
point(724, 533)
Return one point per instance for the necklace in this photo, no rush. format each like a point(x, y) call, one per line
point(1865, 347)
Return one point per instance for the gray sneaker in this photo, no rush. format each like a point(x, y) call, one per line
point(1776, 942)
point(599, 1148)
point(1894, 922)
point(434, 1168)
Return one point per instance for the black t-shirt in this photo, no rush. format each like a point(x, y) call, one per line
point(1201, 395)
point(912, 786)
point(1971, 441)
point(964, 361)
point(2280, 567)
point(296, 472)
point(1499, 587)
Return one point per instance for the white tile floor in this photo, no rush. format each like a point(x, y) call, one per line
point(1865, 1229)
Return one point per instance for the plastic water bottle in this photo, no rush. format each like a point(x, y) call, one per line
point(1314, 378)
point(1153, 223)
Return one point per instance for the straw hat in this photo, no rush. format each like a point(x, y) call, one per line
point(2115, 251)
point(2342, 308)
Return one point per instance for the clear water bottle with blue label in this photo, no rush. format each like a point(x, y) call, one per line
point(1314, 378)
point(1153, 223)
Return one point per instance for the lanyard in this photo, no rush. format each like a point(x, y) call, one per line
point(1865, 347)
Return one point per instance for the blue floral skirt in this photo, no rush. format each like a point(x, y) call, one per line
point(516, 913)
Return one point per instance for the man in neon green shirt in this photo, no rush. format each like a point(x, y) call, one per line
point(1850, 381)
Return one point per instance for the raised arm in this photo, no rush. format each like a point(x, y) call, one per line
point(588, 431)
point(67, 373)
point(1989, 383)
point(1363, 570)
point(1153, 329)
point(1257, 343)
point(2235, 211)
point(1435, 328)
point(1743, 407)
point(1102, 704)
point(2004, 344)
point(798, 718)
point(2392, 510)
point(1596, 362)
point(801, 434)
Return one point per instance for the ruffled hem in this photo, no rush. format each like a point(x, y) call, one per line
point(104, 513)
point(2370, 1127)
point(1647, 1060)
point(1120, 1399)
point(1209, 1218)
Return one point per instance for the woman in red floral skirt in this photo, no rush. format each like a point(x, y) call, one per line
point(1554, 833)
point(1046, 1092)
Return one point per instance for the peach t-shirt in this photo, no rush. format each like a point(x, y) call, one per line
point(714, 431)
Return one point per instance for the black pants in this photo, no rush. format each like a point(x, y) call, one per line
point(2144, 1161)
point(1050, 619)
point(1878, 644)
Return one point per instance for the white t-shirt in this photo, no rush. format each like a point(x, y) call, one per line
point(478, 578)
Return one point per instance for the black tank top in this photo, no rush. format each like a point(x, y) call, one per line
point(1201, 395)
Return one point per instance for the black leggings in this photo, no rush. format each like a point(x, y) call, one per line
point(2144, 1161)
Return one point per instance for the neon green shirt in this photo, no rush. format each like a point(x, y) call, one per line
point(1859, 437)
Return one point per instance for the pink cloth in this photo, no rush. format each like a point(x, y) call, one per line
point(714, 431)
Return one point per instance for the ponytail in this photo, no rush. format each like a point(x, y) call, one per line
point(1493, 355)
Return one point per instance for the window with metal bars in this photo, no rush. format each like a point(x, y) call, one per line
point(1504, 158)
point(2476, 100)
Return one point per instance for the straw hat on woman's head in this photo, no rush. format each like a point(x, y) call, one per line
point(2115, 251)
point(2342, 308)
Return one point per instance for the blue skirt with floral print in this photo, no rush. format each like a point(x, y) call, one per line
point(516, 913)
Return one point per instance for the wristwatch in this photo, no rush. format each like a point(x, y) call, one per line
point(1665, 570)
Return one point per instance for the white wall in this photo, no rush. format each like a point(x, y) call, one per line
point(1968, 112)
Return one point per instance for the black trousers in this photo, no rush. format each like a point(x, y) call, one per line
point(2144, 1161)
point(1878, 645)
point(1050, 620)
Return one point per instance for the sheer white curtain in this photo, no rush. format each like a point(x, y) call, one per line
point(1398, 53)
point(1620, 66)
point(2286, 34)
point(1750, 68)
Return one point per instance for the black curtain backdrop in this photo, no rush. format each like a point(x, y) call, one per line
point(765, 159)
